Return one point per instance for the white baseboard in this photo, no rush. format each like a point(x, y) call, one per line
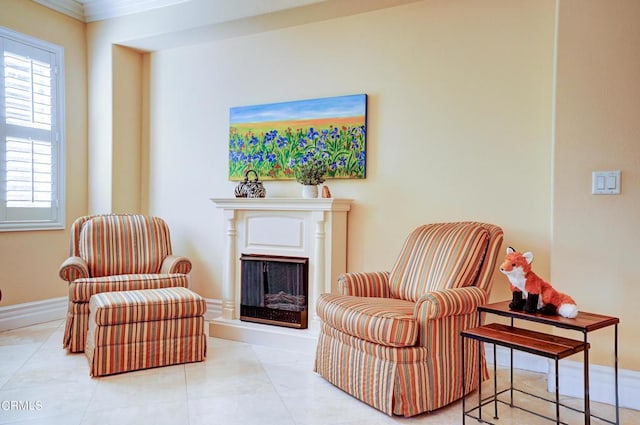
point(214, 309)
point(601, 378)
point(602, 383)
point(27, 314)
point(521, 360)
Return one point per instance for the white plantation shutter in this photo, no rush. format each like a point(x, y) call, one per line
point(31, 148)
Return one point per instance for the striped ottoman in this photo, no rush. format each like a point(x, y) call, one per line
point(131, 330)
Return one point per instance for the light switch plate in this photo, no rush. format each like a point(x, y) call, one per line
point(605, 182)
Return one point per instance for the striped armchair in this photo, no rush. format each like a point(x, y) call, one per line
point(116, 252)
point(392, 339)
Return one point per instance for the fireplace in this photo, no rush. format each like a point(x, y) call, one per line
point(274, 290)
point(296, 227)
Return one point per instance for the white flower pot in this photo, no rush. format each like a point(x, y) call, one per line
point(309, 191)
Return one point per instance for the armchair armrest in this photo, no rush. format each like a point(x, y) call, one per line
point(73, 268)
point(449, 302)
point(364, 284)
point(175, 264)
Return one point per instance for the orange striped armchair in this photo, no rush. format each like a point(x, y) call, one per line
point(116, 252)
point(392, 339)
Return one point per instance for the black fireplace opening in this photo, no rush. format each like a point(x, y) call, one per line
point(274, 290)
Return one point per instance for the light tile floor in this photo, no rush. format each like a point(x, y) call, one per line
point(238, 384)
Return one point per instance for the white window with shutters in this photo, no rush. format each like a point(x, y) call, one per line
point(31, 133)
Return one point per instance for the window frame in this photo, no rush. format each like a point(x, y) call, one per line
point(57, 209)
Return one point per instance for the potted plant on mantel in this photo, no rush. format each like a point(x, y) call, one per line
point(310, 175)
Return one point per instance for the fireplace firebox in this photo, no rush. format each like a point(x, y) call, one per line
point(274, 290)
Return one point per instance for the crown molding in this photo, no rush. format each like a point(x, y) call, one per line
point(97, 10)
point(71, 8)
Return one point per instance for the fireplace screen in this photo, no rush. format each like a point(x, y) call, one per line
point(274, 290)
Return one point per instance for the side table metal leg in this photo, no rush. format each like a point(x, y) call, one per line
point(616, 372)
point(464, 410)
point(479, 382)
point(495, 384)
point(511, 373)
point(557, 395)
point(511, 377)
point(587, 403)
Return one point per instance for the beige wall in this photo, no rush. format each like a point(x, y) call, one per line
point(100, 120)
point(595, 238)
point(29, 260)
point(127, 130)
point(459, 121)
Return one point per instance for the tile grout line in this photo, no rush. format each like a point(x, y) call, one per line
point(41, 344)
point(293, 420)
point(186, 389)
point(95, 388)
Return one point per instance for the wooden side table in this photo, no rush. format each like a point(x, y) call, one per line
point(538, 343)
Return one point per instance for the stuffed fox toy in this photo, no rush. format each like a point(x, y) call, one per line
point(530, 292)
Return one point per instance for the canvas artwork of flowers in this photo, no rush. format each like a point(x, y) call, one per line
point(276, 139)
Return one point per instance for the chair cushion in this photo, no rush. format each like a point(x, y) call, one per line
point(438, 256)
point(124, 244)
point(385, 321)
point(81, 290)
point(112, 308)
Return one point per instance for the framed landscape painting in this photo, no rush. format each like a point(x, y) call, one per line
point(273, 139)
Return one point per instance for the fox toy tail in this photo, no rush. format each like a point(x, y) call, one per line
point(564, 304)
point(567, 307)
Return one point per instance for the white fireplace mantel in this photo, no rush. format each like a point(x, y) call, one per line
point(297, 227)
point(283, 204)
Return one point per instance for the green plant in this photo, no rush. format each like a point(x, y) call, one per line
point(311, 172)
point(275, 153)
